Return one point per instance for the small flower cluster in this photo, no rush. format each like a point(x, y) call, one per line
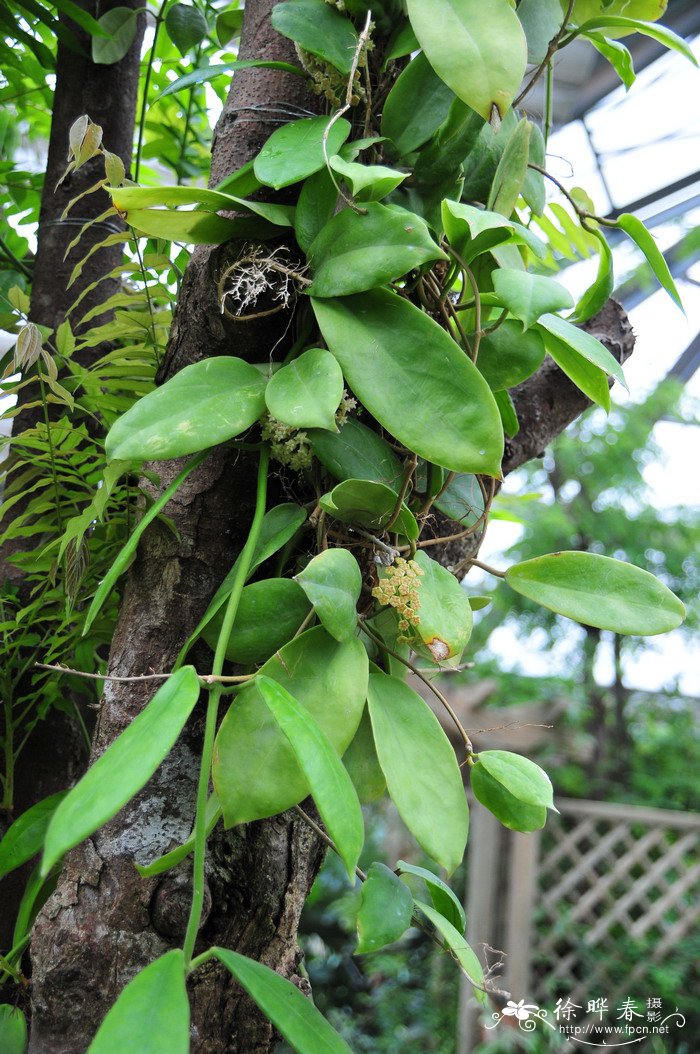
point(291, 446)
point(288, 445)
point(399, 588)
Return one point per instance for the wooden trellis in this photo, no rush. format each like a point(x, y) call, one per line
point(569, 905)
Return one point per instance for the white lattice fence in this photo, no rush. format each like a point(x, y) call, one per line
point(591, 906)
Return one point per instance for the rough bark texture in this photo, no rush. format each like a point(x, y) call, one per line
point(104, 923)
point(108, 95)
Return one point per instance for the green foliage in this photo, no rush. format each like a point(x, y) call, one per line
point(407, 259)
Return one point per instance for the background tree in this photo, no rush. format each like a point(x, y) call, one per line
point(453, 290)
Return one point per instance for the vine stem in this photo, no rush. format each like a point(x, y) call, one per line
point(200, 824)
point(146, 86)
point(546, 61)
point(205, 678)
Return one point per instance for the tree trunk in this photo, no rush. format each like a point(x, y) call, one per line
point(104, 923)
point(108, 94)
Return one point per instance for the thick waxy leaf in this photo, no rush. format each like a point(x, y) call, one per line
point(598, 294)
point(202, 405)
point(295, 150)
point(367, 182)
point(585, 345)
point(478, 50)
point(414, 380)
point(619, 57)
point(521, 777)
point(369, 504)
point(445, 614)
point(360, 759)
point(506, 408)
point(356, 452)
point(636, 230)
point(186, 26)
point(620, 27)
point(269, 614)
point(25, 837)
point(278, 527)
point(385, 911)
point(129, 200)
point(421, 770)
point(514, 814)
point(584, 10)
point(332, 581)
point(474, 231)
point(153, 1007)
point(330, 784)
point(119, 25)
point(355, 252)
point(124, 768)
point(192, 228)
point(307, 392)
point(444, 899)
point(416, 106)
point(508, 356)
point(592, 381)
point(512, 170)
point(529, 296)
point(315, 207)
point(13, 1030)
point(454, 940)
point(318, 28)
point(256, 773)
point(462, 500)
point(294, 1016)
point(228, 25)
point(541, 20)
point(598, 591)
point(533, 190)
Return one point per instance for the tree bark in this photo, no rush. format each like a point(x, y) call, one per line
point(108, 94)
point(104, 923)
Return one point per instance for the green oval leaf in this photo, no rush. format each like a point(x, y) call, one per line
point(119, 24)
point(591, 379)
point(664, 35)
point(255, 771)
point(462, 500)
point(191, 228)
point(511, 173)
point(330, 784)
point(445, 613)
point(320, 29)
point(507, 356)
point(369, 504)
point(599, 292)
point(521, 777)
point(294, 1016)
point(584, 344)
point(367, 182)
point(25, 837)
point(315, 207)
point(153, 1007)
point(208, 73)
point(478, 50)
point(529, 296)
point(355, 252)
point(514, 814)
point(416, 106)
point(444, 899)
point(635, 229)
point(386, 906)
point(465, 955)
point(362, 763)
point(269, 614)
point(306, 393)
point(540, 20)
point(357, 452)
point(228, 25)
point(332, 581)
point(124, 768)
point(129, 200)
point(414, 380)
point(186, 26)
point(598, 591)
point(421, 770)
point(295, 150)
point(13, 1030)
point(204, 404)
